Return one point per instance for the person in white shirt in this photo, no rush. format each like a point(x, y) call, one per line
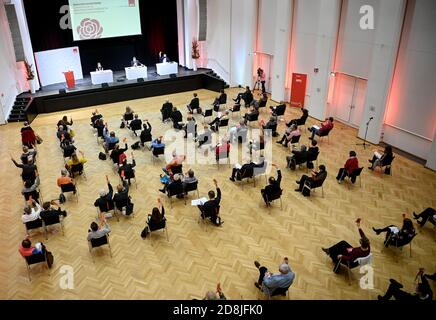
point(136, 63)
point(99, 67)
point(31, 212)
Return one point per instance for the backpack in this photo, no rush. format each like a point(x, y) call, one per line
point(145, 232)
point(50, 259)
point(102, 156)
point(306, 192)
point(62, 198)
point(129, 208)
point(122, 125)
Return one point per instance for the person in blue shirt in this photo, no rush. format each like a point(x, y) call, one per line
point(110, 139)
point(157, 144)
point(268, 282)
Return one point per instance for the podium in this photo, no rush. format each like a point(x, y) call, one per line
point(69, 78)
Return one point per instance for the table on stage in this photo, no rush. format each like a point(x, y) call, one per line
point(166, 68)
point(99, 77)
point(133, 73)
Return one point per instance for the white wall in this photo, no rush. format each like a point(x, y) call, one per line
point(314, 34)
point(191, 23)
point(266, 25)
point(180, 32)
point(8, 67)
point(412, 103)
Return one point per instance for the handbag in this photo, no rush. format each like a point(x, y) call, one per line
point(38, 139)
point(129, 208)
point(102, 156)
point(145, 232)
point(50, 259)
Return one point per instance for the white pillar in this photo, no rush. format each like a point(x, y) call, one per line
point(431, 158)
point(191, 22)
point(181, 32)
point(282, 34)
point(387, 37)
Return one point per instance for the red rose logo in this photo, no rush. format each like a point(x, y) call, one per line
point(89, 29)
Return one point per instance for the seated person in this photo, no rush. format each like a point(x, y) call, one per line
point(381, 159)
point(26, 249)
point(423, 289)
point(246, 169)
point(31, 189)
point(258, 144)
point(99, 67)
point(175, 183)
point(313, 150)
point(121, 198)
point(205, 137)
point(325, 128)
point(128, 114)
point(63, 135)
point(117, 152)
point(50, 212)
point(222, 149)
point(268, 282)
point(28, 169)
point(261, 103)
point(110, 139)
point(31, 212)
point(156, 145)
point(176, 161)
point(214, 125)
point(251, 115)
point(218, 295)
point(68, 148)
point(29, 155)
point(100, 126)
point(177, 118)
point(302, 120)
point(65, 179)
point(75, 160)
point(316, 177)
point(234, 132)
point(342, 252)
point(135, 124)
point(428, 214)
point(278, 109)
point(247, 96)
point(396, 236)
point(297, 157)
point(146, 135)
point(98, 231)
point(210, 209)
point(194, 105)
point(271, 125)
point(95, 116)
point(126, 170)
point(28, 136)
point(273, 187)
point(221, 99)
point(291, 132)
point(166, 111)
point(154, 221)
point(65, 123)
point(135, 63)
point(190, 127)
point(105, 203)
point(189, 178)
point(350, 166)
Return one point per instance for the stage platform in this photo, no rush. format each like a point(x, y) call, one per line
point(57, 97)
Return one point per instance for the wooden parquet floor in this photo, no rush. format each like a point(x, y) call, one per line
point(195, 259)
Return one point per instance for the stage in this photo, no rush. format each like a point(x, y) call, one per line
point(57, 97)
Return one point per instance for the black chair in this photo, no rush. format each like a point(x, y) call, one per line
point(189, 187)
point(262, 104)
point(129, 175)
point(325, 134)
point(176, 190)
point(32, 225)
point(388, 165)
point(128, 116)
point(77, 170)
point(236, 108)
point(207, 113)
point(136, 126)
point(71, 188)
point(246, 174)
point(284, 292)
point(279, 110)
point(392, 240)
point(223, 123)
point(98, 242)
point(35, 259)
point(252, 118)
point(295, 139)
point(317, 184)
point(35, 194)
point(145, 139)
point(111, 146)
point(51, 221)
point(156, 152)
point(276, 196)
point(177, 169)
point(162, 225)
point(310, 159)
point(355, 175)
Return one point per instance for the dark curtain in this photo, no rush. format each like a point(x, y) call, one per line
point(159, 33)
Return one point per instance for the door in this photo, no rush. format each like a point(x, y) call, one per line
point(349, 99)
point(263, 61)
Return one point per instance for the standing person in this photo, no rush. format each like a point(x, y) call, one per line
point(261, 78)
point(210, 209)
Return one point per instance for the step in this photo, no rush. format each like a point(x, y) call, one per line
point(17, 111)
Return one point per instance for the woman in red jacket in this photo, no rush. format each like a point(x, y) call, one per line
point(348, 169)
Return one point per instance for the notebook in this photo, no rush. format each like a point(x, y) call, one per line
point(198, 202)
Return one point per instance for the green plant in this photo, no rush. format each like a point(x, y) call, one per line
point(195, 49)
point(29, 71)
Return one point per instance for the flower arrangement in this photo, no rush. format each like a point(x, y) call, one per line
point(29, 71)
point(195, 49)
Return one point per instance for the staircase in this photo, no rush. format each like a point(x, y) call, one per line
point(213, 74)
point(18, 110)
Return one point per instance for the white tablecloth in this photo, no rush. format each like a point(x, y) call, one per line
point(133, 73)
point(163, 69)
point(99, 77)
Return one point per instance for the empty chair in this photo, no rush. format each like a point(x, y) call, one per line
point(224, 123)
point(98, 242)
point(295, 140)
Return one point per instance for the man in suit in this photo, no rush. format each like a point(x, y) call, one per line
point(105, 202)
point(210, 209)
point(316, 178)
point(221, 99)
point(166, 110)
point(194, 105)
point(247, 96)
point(273, 186)
point(246, 170)
point(135, 124)
point(177, 118)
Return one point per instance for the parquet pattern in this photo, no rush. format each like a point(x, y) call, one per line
point(195, 259)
